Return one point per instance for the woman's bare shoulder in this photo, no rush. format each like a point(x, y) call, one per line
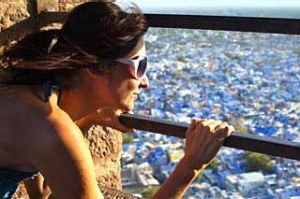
point(35, 133)
point(28, 123)
point(59, 151)
point(24, 113)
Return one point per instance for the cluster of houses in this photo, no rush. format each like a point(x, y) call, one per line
point(149, 163)
point(250, 80)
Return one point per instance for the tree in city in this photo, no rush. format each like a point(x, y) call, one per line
point(241, 128)
point(182, 58)
point(258, 162)
point(148, 45)
point(213, 164)
point(127, 138)
point(297, 52)
point(150, 191)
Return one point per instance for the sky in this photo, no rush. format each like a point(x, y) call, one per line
point(218, 3)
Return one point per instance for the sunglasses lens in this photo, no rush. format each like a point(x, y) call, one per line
point(142, 67)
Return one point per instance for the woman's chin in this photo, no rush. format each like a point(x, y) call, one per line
point(127, 108)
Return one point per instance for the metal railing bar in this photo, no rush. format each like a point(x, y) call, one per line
point(225, 23)
point(269, 146)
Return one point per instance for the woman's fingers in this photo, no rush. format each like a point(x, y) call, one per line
point(220, 135)
point(206, 131)
point(223, 131)
point(213, 126)
point(204, 139)
point(210, 125)
point(191, 127)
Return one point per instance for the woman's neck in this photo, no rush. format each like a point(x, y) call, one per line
point(57, 97)
point(73, 103)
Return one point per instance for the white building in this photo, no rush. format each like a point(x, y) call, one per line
point(145, 175)
point(246, 183)
point(249, 182)
point(128, 175)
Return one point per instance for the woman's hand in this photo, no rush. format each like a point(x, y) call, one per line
point(37, 188)
point(203, 140)
point(105, 117)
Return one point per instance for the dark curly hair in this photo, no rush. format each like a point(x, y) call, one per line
point(94, 33)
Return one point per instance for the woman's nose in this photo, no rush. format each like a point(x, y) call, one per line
point(144, 83)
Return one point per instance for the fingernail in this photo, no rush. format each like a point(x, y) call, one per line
point(132, 130)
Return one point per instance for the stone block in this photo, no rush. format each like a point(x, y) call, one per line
point(14, 21)
point(105, 145)
point(47, 5)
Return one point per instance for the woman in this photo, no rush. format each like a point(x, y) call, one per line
point(53, 83)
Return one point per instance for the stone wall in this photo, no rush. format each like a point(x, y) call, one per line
point(14, 16)
point(106, 145)
point(18, 18)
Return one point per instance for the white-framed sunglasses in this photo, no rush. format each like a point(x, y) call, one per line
point(139, 65)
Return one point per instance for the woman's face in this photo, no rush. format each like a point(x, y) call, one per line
point(123, 87)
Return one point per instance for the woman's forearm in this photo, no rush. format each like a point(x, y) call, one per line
point(178, 182)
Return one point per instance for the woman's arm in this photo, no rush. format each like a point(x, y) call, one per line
point(203, 140)
point(37, 188)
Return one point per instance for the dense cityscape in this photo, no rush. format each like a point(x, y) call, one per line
point(250, 80)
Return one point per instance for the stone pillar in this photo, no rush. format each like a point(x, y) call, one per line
point(106, 145)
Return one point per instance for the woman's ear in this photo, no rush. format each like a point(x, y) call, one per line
point(98, 70)
point(89, 74)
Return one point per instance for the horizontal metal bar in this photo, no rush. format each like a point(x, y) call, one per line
point(247, 142)
point(227, 23)
point(243, 24)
